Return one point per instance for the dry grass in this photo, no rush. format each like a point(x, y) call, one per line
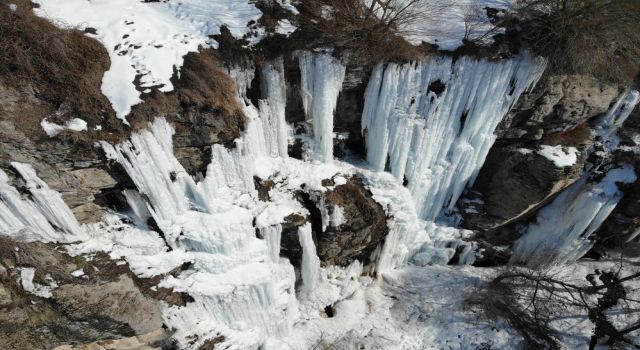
point(578, 136)
point(63, 67)
point(352, 26)
point(595, 37)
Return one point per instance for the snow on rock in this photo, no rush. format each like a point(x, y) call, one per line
point(321, 83)
point(563, 229)
point(53, 129)
point(285, 27)
point(148, 39)
point(288, 5)
point(435, 120)
point(26, 281)
point(558, 156)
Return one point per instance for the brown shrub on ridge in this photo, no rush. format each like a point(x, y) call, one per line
point(369, 37)
point(63, 67)
point(594, 37)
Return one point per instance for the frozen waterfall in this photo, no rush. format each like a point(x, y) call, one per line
point(432, 123)
point(321, 82)
point(239, 282)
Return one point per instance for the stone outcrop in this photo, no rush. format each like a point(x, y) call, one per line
point(515, 180)
point(558, 103)
point(88, 300)
point(346, 221)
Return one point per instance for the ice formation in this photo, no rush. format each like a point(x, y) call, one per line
point(321, 82)
point(239, 282)
point(434, 121)
point(44, 214)
point(563, 229)
point(310, 269)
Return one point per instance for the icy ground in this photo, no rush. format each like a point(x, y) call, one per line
point(409, 308)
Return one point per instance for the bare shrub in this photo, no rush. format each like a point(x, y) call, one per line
point(529, 300)
point(371, 30)
point(595, 37)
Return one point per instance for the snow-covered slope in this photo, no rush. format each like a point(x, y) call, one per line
point(146, 41)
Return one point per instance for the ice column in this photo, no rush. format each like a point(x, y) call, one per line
point(310, 268)
point(238, 282)
point(148, 159)
point(433, 122)
point(562, 229)
point(272, 108)
point(272, 234)
point(616, 116)
point(321, 82)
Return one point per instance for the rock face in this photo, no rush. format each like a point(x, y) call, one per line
point(120, 300)
point(559, 103)
point(346, 222)
point(516, 180)
point(351, 224)
point(84, 301)
point(155, 340)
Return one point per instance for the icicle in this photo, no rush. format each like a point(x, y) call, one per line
point(434, 121)
point(321, 82)
point(44, 213)
point(149, 161)
point(139, 209)
point(17, 213)
point(563, 229)
point(310, 268)
point(272, 235)
point(617, 114)
point(272, 108)
point(239, 282)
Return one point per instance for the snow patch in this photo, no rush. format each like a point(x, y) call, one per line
point(26, 281)
point(53, 129)
point(285, 27)
point(558, 156)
